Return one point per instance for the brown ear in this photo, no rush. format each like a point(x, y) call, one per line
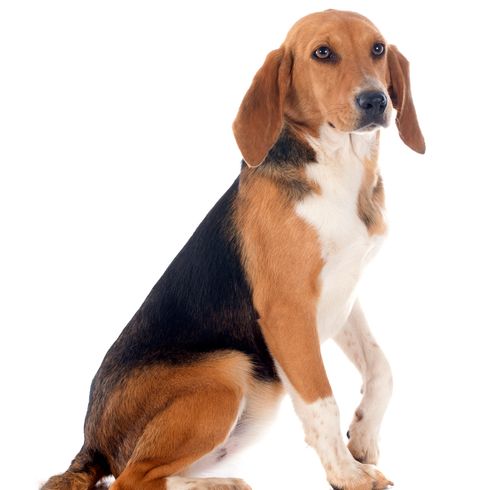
point(401, 96)
point(260, 117)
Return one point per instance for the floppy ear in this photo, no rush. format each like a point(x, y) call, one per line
point(261, 115)
point(401, 96)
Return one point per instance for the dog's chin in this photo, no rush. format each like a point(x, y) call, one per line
point(368, 128)
point(371, 126)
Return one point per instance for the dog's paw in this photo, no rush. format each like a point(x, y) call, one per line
point(363, 441)
point(364, 477)
point(364, 449)
point(179, 483)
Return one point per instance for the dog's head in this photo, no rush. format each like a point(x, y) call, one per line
point(333, 68)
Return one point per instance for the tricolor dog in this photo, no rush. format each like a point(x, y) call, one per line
point(238, 317)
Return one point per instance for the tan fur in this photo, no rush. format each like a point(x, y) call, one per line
point(282, 259)
point(324, 92)
point(370, 202)
point(262, 400)
point(261, 114)
point(76, 478)
point(163, 418)
point(401, 94)
point(187, 411)
point(147, 392)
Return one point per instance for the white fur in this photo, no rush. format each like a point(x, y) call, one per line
point(346, 244)
point(360, 346)
point(321, 423)
point(183, 483)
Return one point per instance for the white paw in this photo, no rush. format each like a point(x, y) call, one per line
point(363, 440)
point(359, 477)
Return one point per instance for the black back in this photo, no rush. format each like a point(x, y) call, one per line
point(201, 304)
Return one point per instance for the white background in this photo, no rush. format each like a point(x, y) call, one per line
point(115, 140)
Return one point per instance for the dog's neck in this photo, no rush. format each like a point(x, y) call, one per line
point(350, 162)
point(296, 146)
point(334, 147)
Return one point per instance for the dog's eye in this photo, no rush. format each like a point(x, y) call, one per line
point(378, 49)
point(324, 53)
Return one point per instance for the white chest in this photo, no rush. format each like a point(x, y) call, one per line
point(344, 239)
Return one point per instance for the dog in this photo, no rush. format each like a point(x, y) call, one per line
point(238, 317)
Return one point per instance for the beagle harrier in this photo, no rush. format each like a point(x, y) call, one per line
point(270, 273)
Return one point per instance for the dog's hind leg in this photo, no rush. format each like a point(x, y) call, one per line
point(189, 427)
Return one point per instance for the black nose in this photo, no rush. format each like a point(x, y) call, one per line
point(372, 103)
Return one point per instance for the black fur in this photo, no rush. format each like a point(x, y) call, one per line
point(289, 151)
point(201, 304)
point(283, 161)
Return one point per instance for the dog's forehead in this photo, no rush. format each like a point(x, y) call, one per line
point(333, 25)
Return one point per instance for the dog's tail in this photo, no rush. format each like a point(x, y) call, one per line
point(85, 471)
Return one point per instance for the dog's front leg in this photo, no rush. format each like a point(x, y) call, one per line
point(282, 261)
point(358, 343)
point(292, 338)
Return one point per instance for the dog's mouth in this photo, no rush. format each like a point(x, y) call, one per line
point(366, 128)
point(369, 127)
point(365, 125)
